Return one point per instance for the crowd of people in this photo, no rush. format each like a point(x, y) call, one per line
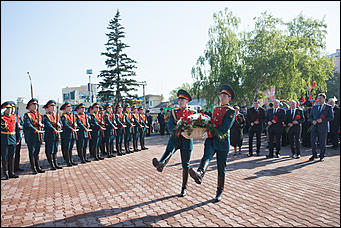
point(98, 128)
point(313, 123)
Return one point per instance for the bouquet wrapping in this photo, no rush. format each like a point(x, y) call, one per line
point(194, 126)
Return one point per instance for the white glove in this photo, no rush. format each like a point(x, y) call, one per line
point(205, 135)
point(184, 135)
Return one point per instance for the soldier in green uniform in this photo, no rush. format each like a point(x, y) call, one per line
point(69, 134)
point(83, 133)
point(33, 137)
point(18, 128)
point(120, 120)
point(128, 129)
point(102, 138)
point(110, 129)
point(138, 125)
point(143, 129)
point(95, 119)
point(91, 139)
point(177, 141)
point(8, 140)
point(223, 118)
point(52, 124)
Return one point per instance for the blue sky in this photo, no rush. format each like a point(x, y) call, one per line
point(57, 41)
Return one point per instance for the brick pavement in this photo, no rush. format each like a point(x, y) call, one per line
point(128, 191)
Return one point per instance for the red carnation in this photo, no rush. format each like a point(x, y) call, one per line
point(338, 131)
point(298, 117)
point(275, 118)
point(323, 116)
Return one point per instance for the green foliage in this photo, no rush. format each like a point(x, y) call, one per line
point(285, 55)
point(186, 86)
point(117, 83)
point(333, 86)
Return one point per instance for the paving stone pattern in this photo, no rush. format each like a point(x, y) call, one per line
point(128, 191)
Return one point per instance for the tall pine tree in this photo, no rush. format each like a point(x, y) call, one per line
point(116, 81)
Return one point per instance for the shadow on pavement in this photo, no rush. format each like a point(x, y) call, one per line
point(93, 218)
point(280, 170)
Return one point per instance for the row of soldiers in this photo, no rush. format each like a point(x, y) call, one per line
point(99, 129)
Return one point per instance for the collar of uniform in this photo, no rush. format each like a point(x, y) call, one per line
point(224, 105)
point(32, 111)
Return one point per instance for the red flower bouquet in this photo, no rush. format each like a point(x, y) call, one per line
point(275, 118)
point(194, 125)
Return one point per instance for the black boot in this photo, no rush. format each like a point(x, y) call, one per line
point(119, 152)
point(113, 152)
point(17, 159)
point(5, 169)
point(98, 156)
point(123, 153)
point(34, 170)
point(126, 147)
point(49, 159)
point(145, 148)
point(71, 160)
point(80, 154)
point(55, 162)
point(134, 145)
point(184, 182)
point(108, 150)
point(220, 188)
point(199, 174)
point(36, 162)
point(67, 158)
point(84, 155)
point(11, 168)
point(159, 165)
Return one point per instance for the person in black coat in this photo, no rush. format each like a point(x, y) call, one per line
point(236, 131)
point(255, 118)
point(294, 119)
point(149, 123)
point(275, 117)
point(306, 125)
point(161, 120)
point(334, 124)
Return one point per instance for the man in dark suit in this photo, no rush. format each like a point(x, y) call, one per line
point(319, 116)
point(161, 120)
point(334, 124)
point(294, 119)
point(255, 118)
point(275, 117)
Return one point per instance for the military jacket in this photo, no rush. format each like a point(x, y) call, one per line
point(33, 122)
point(223, 118)
point(8, 133)
point(82, 124)
point(50, 126)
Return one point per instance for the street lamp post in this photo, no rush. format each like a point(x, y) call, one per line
point(143, 83)
point(29, 76)
point(89, 72)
